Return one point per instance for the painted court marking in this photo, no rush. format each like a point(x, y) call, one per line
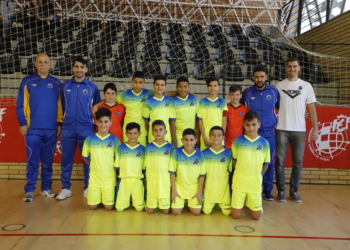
point(187, 235)
point(244, 229)
point(13, 227)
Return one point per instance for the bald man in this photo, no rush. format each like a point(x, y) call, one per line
point(39, 113)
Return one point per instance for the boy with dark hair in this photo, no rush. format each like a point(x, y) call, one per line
point(157, 161)
point(157, 107)
point(183, 111)
point(100, 150)
point(251, 156)
point(129, 162)
point(264, 99)
point(187, 173)
point(78, 95)
point(218, 165)
point(210, 112)
point(235, 113)
point(117, 110)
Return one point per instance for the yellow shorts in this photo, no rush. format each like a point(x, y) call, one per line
point(210, 205)
point(161, 203)
point(251, 200)
point(130, 187)
point(97, 195)
point(142, 139)
point(180, 203)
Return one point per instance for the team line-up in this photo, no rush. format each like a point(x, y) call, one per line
point(239, 141)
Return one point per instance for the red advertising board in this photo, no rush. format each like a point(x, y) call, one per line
point(329, 151)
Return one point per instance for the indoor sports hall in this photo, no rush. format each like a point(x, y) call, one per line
point(197, 39)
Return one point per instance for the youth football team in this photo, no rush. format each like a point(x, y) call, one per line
point(227, 170)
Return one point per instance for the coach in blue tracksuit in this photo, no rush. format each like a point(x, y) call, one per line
point(263, 99)
point(78, 96)
point(39, 113)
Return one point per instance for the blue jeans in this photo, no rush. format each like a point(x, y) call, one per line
point(40, 145)
point(296, 139)
point(269, 174)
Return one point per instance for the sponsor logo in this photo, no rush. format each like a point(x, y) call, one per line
point(219, 106)
point(223, 159)
point(192, 103)
point(166, 104)
point(259, 147)
point(332, 138)
point(138, 154)
point(253, 97)
point(34, 85)
point(143, 99)
point(293, 93)
point(240, 114)
point(110, 145)
point(2, 112)
point(196, 161)
point(85, 91)
point(117, 113)
point(50, 86)
point(166, 152)
point(69, 90)
point(268, 97)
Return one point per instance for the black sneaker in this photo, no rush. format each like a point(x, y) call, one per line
point(267, 195)
point(281, 196)
point(294, 195)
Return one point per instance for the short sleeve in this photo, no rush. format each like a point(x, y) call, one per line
point(151, 92)
point(267, 155)
point(203, 171)
point(229, 167)
point(234, 149)
point(173, 162)
point(86, 148)
point(145, 162)
point(224, 105)
point(146, 110)
point(172, 110)
point(197, 104)
point(117, 158)
point(310, 96)
point(200, 111)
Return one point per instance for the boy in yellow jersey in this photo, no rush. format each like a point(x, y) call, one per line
point(157, 161)
point(187, 174)
point(157, 107)
point(183, 111)
point(101, 149)
point(210, 112)
point(218, 164)
point(133, 100)
point(129, 162)
point(251, 156)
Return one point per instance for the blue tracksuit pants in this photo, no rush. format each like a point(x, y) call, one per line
point(269, 174)
point(69, 140)
point(40, 144)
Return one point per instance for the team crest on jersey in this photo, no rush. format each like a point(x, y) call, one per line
point(34, 85)
point(166, 104)
point(268, 97)
point(167, 152)
point(196, 161)
point(138, 154)
point(219, 106)
point(85, 91)
point(240, 114)
point(68, 90)
point(259, 147)
point(223, 159)
point(110, 145)
point(192, 103)
point(50, 85)
point(117, 113)
point(144, 99)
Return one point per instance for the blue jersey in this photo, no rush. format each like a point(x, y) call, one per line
point(77, 100)
point(264, 103)
point(38, 102)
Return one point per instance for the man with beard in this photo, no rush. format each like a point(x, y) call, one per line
point(263, 99)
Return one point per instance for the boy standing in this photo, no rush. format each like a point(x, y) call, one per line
point(101, 149)
point(157, 161)
point(157, 107)
point(210, 112)
point(117, 110)
point(129, 162)
point(187, 173)
point(251, 156)
point(218, 164)
point(183, 111)
point(235, 114)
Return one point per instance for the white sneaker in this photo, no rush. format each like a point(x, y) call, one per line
point(49, 193)
point(65, 193)
point(85, 193)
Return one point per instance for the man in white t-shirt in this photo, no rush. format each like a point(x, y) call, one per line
point(295, 94)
